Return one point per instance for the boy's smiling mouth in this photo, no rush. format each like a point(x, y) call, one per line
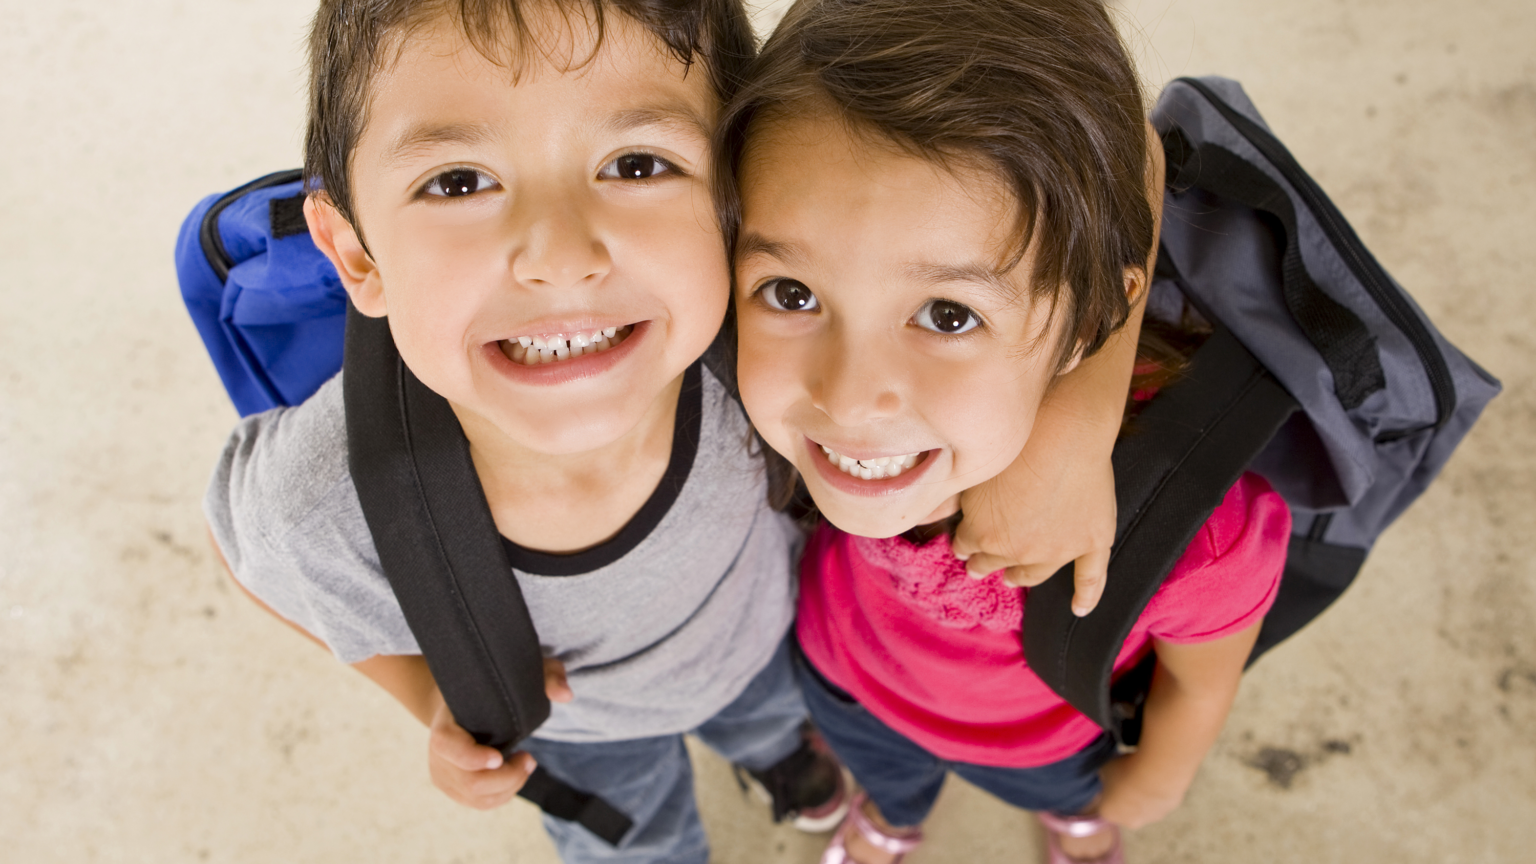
point(560, 347)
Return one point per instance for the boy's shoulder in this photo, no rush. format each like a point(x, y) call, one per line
point(283, 510)
point(279, 466)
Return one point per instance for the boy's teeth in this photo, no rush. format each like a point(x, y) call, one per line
point(554, 348)
point(882, 468)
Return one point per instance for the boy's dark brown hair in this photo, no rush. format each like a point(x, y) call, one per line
point(352, 40)
point(1041, 91)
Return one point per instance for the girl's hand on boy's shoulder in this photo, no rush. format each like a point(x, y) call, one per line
point(1033, 521)
point(473, 774)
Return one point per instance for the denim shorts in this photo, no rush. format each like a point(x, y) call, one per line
point(651, 779)
point(903, 779)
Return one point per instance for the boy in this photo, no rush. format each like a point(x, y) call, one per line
point(527, 201)
point(523, 192)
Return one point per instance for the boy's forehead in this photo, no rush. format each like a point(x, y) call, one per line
point(439, 86)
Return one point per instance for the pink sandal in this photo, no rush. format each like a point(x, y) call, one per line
point(837, 850)
point(1078, 826)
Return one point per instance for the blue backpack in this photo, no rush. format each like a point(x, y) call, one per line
point(1322, 375)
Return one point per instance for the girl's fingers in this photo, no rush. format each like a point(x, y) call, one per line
point(982, 564)
point(1088, 577)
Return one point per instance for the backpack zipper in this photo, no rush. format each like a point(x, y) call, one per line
point(1355, 255)
point(208, 236)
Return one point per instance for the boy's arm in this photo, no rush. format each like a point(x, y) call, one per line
point(1056, 502)
point(1192, 692)
point(470, 773)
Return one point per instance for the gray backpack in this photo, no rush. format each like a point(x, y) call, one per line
point(1322, 375)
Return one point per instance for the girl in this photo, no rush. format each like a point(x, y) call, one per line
point(938, 209)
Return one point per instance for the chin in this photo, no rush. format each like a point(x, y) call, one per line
point(865, 521)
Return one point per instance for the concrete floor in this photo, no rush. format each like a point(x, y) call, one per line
point(150, 714)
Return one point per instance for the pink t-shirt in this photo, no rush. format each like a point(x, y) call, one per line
point(937, 656)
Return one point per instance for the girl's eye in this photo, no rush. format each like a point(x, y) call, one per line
point(947, 317)
point(460, 182)
point(787, 295)
point(636, 166)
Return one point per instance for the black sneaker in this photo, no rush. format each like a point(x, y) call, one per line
point(806, 786)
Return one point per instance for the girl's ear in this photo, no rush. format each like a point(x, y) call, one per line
point(1072, 361)
point(1135, 285)
point(336, 237)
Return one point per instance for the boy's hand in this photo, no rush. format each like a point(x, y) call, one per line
point(476, 775)
point(1132, 801)
point(1033, 522)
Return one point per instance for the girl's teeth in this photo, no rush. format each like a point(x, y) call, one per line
point(882, 468)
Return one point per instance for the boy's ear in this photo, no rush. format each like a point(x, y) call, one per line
point(336, 237)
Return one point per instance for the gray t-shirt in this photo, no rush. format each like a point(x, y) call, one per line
point(659, 628)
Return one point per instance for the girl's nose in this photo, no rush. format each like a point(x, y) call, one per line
point(558, 248)
point(854, 382)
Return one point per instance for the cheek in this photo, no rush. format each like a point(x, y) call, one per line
point(988, 418)
point(765, 372)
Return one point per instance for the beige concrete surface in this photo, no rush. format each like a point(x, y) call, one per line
point(148, 714)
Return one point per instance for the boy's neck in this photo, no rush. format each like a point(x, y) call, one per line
point(566, 503)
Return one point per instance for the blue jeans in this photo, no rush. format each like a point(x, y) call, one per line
point(651, 780)
point(903, 778)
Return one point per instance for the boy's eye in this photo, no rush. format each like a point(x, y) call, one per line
point(787, 295)
point(947, 317)
point(635, 166)
point(460, 182)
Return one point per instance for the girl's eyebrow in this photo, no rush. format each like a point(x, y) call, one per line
point(752, 243)
point(980, 275)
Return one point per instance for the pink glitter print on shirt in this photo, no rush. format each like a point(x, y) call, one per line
point(933, 581)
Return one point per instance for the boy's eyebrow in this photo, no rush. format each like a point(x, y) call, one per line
point(679, 119)
point(426, 135)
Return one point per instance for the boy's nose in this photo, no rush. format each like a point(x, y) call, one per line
point(854, 382)
point(559, 247)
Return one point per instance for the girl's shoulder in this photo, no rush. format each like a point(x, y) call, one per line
point(1228, 576)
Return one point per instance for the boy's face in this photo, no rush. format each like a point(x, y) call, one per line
point(569, 210)
point(874, 324)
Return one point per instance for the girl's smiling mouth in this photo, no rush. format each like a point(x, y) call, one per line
point(878, 476)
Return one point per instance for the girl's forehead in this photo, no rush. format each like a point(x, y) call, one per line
point(816, 180)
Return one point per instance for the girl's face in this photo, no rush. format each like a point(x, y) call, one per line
point(875, 324)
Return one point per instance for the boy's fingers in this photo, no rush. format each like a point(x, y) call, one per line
point(450, 743)
point(494, 788)
point(556, 687)
point(1088, 577)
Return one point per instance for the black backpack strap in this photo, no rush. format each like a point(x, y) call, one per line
point(443, 556)
point(1339, 336)
point(1172, 469)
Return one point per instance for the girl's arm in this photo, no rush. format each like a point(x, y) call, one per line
point(1192, 692)
point(1056, 503)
